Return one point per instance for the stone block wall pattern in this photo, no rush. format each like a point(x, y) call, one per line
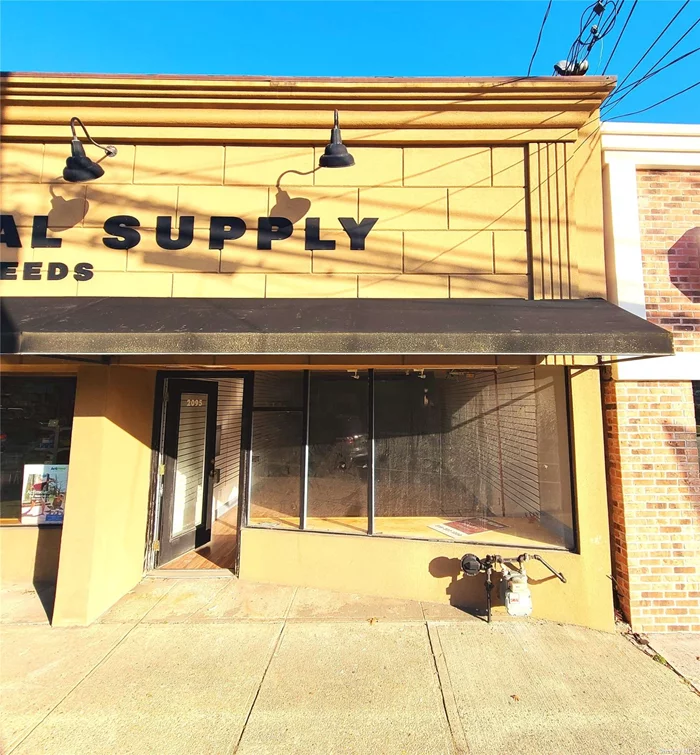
point(452, 220)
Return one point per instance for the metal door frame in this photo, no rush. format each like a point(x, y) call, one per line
point(152, 545)
point(172, 424)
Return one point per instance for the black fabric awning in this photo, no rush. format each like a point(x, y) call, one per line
point(126, 325)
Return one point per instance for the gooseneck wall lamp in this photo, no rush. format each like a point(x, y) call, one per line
point(336, 154)
point(79, 167)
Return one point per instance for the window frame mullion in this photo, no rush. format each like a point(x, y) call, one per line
point(304, 502)
point(371, 465)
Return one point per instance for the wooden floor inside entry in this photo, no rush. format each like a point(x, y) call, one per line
point(219, 553)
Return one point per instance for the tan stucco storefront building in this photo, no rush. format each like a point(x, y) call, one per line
point(336, 377)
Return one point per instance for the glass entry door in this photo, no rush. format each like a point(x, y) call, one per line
point(189, 448)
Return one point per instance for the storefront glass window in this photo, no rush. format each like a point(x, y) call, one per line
point(478, 456)
point(275, 485)
point(338, 452)
point(470, 455)
point(36, 419)
point(278, 390)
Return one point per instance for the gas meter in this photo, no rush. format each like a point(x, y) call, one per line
point(516, 591)
point(516, 594)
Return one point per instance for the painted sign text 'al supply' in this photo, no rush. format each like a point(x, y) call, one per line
point(125, 233)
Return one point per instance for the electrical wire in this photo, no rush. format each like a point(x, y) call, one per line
point(600, 57)
point(627, 20)
point(594, 26)
point(620, 95)
point(653, 44)
point(675, 44)
point(652, 70)
point(624, 90)
point(539, 36)
point(656, 104)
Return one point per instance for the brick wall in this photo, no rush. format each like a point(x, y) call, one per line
point(653, 474)
point(669, 214)
point(654, 495)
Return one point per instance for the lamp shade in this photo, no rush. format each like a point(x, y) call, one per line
point(79, 167)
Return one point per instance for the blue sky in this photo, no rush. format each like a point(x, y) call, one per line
point(359, 38)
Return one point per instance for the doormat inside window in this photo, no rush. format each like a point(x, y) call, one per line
point(471, 526)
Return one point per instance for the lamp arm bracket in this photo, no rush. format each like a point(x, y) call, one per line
point(109, 149)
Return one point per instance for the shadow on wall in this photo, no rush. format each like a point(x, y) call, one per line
point(684, 264)
point(469, 593)
point(681, 540)
point(292, 208)
point(464, 593)
point(682, 440)
point(66, 213)
point(48, 549)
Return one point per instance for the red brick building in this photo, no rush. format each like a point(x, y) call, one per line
point(652, 204)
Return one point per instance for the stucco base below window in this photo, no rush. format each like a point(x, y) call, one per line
point(420, 570)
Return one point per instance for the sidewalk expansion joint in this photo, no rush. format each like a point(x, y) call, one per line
point(89, 673)
point(449, 704)
point(275, 647)
point(83, 678)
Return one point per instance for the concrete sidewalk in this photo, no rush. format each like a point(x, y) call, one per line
point(219, 666)
point(681, 650)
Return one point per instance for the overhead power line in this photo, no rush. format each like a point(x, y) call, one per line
point(539, 36)
point(656, 104)
point(653, 44)
point(617, 42)
point(625, 90)
point(620, 95)
point(675, 44)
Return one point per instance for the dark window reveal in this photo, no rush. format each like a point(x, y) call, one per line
point(36, 419)
point(338, 452)
point(276, 448)
point(275, 489)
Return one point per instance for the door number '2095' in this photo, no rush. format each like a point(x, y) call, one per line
point(194, 402)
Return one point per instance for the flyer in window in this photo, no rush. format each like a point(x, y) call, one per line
point(44, 493)
point(469, 526)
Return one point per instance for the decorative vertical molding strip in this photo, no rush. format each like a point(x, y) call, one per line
point(569, 223)
point(536, 228)
point(553, 274)
point(553, 269)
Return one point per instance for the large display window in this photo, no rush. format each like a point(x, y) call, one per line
point(36, 420)
point(469, 455)
point(477, 455)
point(338, 453)
point(276, 455)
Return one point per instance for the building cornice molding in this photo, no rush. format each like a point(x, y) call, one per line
point(215, 109)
